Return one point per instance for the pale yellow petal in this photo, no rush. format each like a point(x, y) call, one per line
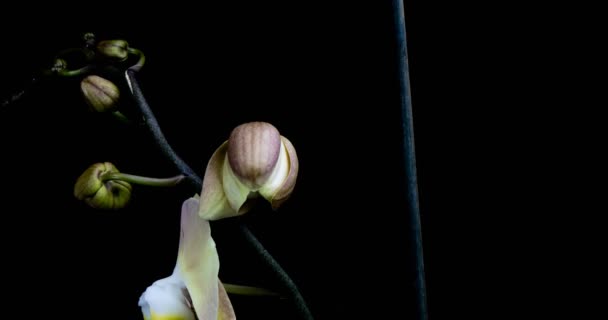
point(282, 182)
point(198, 262)
point(236, 192)
point(213, 202)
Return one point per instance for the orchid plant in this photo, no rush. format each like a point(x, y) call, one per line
point(255, 162)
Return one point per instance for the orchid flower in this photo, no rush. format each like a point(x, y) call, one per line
point(255, 160)
point(193, 291)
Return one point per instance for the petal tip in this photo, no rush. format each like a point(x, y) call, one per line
point(286, 189)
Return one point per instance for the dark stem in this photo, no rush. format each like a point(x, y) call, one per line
point(196, 182)
point(157, 134)
point(410, 158)
point(14, 97)
point(281, 275)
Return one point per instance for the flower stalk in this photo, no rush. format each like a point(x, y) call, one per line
point(141, 180)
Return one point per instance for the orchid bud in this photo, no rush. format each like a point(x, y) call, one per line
point(109, 195)
point(89, 39)
point(100, 94)
point(59, 65)
point(114, 49)
point(256, 160)
point(253, 151)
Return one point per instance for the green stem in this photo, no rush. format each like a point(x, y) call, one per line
point(140, 62)
point(248, 291)
point(121, 117)
point(146, 181)
point(86, 52)
point(77, 72)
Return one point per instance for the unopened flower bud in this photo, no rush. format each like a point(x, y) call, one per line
point(100, 94)
point(114, 49)
point(59, 65)
point(89, 39)
point(256, 160)
point(253, 151)
point(97, 193)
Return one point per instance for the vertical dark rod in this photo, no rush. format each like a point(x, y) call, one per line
point(410, 157)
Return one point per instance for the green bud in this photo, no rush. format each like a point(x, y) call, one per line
point(99, 194)
point(89, 39)
point(59, 65)
point(99, 93)
point(114, 49)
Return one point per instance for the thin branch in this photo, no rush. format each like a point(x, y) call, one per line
point(15, 96)
point(282, 276)
point(156, 132)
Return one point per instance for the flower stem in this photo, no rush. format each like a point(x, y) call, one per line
point(146, 181)
point(121, 117)
point(280, 273)
point(142, 59)
point(87, 53)
point(196, 183)
point(248, 291)
point(20, 93)
point(157, 134)
point(76, 72)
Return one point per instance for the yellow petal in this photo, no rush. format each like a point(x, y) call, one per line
point(197, 261)
point(213, 202)
point(155, 316)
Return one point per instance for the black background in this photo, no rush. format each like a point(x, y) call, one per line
point(324, 74)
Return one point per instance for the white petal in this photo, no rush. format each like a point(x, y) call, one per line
point(166, 299)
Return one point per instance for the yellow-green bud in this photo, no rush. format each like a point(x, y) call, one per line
point(99, 194)
point(100, 94)
point(59, 65)
point(89, 39)
point(114, 49)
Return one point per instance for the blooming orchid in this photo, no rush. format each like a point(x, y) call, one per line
point(255, 160)
point(193, 291)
